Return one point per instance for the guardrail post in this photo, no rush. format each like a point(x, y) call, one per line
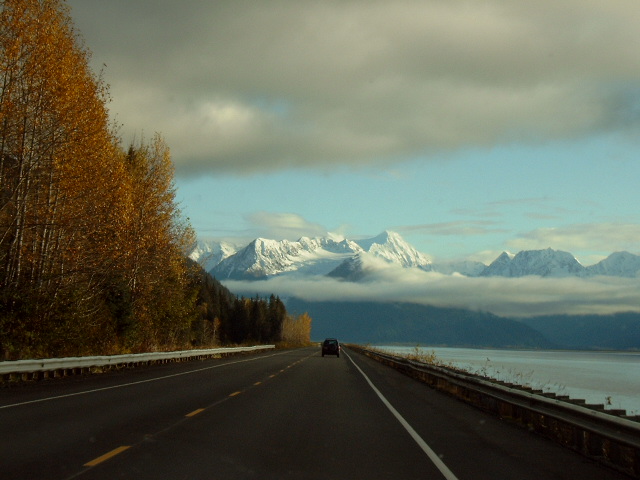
point(603, 435)
point(27, 370)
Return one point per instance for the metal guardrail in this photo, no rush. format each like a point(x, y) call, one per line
point(26, 369)
point(603, 436)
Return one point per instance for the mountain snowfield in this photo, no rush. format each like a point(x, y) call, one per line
point(264, 258)
point(210, 254)
point(544, 263)
point(355, 259)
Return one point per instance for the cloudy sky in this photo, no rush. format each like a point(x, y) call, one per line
point(469, 127)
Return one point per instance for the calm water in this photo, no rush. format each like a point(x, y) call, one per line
point(609, 378)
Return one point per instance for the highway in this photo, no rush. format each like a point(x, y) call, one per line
point(284, 414)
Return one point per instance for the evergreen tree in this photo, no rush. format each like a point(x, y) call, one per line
point(276, 317)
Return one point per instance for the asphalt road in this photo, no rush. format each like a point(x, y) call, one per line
point(280, 415)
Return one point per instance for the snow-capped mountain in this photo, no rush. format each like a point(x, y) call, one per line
point(354, 260)
point(265, 258)
point(352, 269)
point(314, 256)
point(391, 247)
point(209, 253)
point(556, 263)
point(618, 264)
point(499, 267)
point(544, 263)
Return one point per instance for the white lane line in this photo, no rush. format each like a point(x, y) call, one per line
point(448, 474)
point(84, 392)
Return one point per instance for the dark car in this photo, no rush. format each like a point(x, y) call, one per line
point(331, 347)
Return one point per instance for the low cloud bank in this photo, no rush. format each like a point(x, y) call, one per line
point(509, 297)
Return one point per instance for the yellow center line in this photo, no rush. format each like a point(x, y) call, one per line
point(106, 456)
point(195, 412)
point(283, 370)
point(121, 449)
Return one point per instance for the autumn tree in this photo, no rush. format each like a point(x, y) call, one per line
point(296, 331)
point(158, 241)
point(61, 202)
point(92, 243)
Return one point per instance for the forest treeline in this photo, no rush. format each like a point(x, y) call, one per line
point(227, 319)
point(92, 242)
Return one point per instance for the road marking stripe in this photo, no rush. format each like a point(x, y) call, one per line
point(448, 474)
point(137, 383)
point(257, 383)
point(106, 456)
point(195, 412)
point(235, 393)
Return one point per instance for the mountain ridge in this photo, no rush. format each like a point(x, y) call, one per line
point(387, 257)
point(544, 263)
point(347, 260)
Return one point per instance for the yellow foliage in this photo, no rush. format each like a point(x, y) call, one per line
point(91, 241)
point(296, 331)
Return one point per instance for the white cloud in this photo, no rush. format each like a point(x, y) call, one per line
point(454, 228)
point(290, 226)
point(605, 237)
